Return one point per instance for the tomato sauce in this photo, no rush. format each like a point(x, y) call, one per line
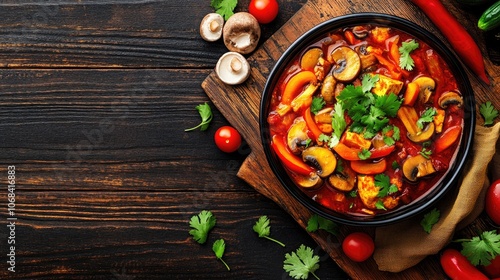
point(412, 146)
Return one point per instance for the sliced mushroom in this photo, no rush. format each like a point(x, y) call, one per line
point(311, 181)
point(327, 89)
point(232, 68)
point(347, 64)
point(427, 86)
point(297, 136)
point(310, 58)
point(423, 135)
point(450, 97)
point(417, 167)
point(322, 158)
point(241, 33)
point(211, 27)
point(343, 181)
point(360, 31)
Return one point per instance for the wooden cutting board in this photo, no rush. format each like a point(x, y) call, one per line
point(240, 106)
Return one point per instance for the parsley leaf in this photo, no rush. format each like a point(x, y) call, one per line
point(338, 120)
point(430, 219)
point(405, 61)
point(263, 228)
point(206, 117)
point(426, 117)
point(300, 263)
point(225, 8)
point(317, 222)
point(488, 112)
point(480, 250)
point(317, 104)
point(201, 224)
point(219, 247)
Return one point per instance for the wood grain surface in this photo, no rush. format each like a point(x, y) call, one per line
point(240, 105)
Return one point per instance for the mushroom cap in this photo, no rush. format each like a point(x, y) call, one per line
point(211, 27)
point(232, 68)
point(241, 33)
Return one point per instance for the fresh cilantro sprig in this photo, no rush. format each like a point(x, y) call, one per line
point(225, 8)
point(263, 228)
point(369, 112)
point(385, 187)
point(426, 117)
point(405, 60)
point(201, 224)
point(430, 219)
point(300, 263)
point(317, 104)
point(338, 120)
point(317, 222)
point(206, 117)
point(489, 113)
point(481, 249)
point(219, 247)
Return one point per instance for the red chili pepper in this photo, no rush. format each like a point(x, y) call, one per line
point(459, 38)
point(291, 161)
point(458, 267)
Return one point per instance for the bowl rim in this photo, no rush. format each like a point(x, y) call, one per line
point(447, 182)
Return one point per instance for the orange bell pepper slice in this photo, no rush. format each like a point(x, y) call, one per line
point(296, 84)
point(289, 160)
point(352, 154)
point(447, 138)
point(311, 124)
point(369, 168)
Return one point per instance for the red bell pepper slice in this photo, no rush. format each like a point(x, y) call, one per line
point(311, 124)
point(447, 138)
point(291, 161)
point(369, 168)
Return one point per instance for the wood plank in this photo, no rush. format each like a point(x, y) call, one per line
point(245, 118)
point(95, 235)
point(113, 33)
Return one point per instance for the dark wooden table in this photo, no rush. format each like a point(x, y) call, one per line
point(94, 99)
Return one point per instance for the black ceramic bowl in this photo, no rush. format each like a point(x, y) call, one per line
point(436, 192)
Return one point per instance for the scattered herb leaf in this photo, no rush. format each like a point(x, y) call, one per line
point(364, 154)
point(219, 247)
point(380, 205)
point(430, 219)
point(317, 222)
point(300, 263)
point(405, 61)
point(338, 120)
point(480, 250)
point(385, 187)
point(263, 228)
point(206, 117)
point(488, 112)
point(225, 8)
point(201, 224)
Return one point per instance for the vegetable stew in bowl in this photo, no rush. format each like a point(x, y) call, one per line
point(367, 119)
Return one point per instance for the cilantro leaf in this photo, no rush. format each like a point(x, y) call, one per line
point(385, 187)
point(380, 205)
point(405, 61)
point(426, 117)
point(368, 82)
point(488, 112)
point(225, 8)
point(389, 104)
point(317, 222)
point(201, 224)
point(219, 247)
point(317, 104)
point(430, 219)
point(206, 117)
point(300, 263)
point(480, 250)
point(364, 154)
point(263, 228)
point(338, 120)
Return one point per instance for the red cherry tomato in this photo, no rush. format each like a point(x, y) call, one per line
point(264, 11)
point(458, 267)
point(358, 246)
point(493, 269)
point(227, 139)
point(492, 203)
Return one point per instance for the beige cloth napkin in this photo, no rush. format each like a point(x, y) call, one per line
point(405, 244)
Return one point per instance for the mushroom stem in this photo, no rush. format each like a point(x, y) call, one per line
point(214, 26)
point(236, 65)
